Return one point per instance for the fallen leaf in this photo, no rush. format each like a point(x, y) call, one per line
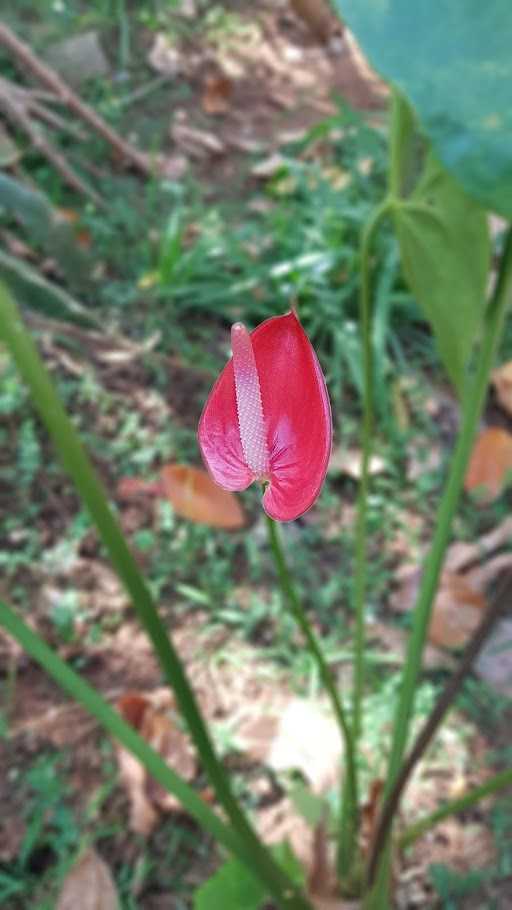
point(501, 379)
point(370, 814)
point(164, 56)
point(494, 663)
point(349, 461)
point(128, 487)
point(490, 466)
point(88, 885)
point(393, 642)
point(317, 755)
point(193, 495)
point(318, 16)
point(321, 876)
point(153, 722)
point(217, 93)
point(269, 167)
point(197, 143)
point(457, 609)
point(461, 556)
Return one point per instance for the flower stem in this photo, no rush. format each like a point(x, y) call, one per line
point(79, 467)
point(291, 597)
point(361, 556)
point(498, 782)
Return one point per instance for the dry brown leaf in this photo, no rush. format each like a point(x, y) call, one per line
point(320, 876)
point(490, 465)
point(317, 755)
point(457, 612)
point(88, 885)
point(318, 17)
point(394, 642)
point(457, 609)
point(502, 382)
point(128, 487)
point(196, 143)
point(370, 814)
point(349, 461)
point(217, 94)
point(147, 797)
point(193, 495)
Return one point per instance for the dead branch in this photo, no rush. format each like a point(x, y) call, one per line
point(15, 110)
point(31, 63)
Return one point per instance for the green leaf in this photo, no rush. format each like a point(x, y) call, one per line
point(46, 227)
point(452, 59)
point(232, 887)
point(42, 296)
point(445, 249)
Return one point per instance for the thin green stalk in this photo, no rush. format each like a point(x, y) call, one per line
point(498, 782)
point(79, 467)
point(472, 408)
point(361, 562)
point(296, 609)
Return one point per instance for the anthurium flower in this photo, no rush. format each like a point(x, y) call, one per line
point(268, 418)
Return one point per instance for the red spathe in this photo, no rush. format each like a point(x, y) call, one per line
point(296, 417)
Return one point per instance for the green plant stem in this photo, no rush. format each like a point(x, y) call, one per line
point(79, 467)
point(292, 599)
point(472, 408)
point(498, 782)
point(361, 561)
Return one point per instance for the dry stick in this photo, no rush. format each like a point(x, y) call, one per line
point(48, 77)
point(16, 112)
point(433, 721)
point(31, 101)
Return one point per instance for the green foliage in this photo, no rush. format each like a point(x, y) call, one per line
point(452, 61)
point(444, 243)
point(451, 885)
point(52, 835)
point(46, 226)
point(233, 887)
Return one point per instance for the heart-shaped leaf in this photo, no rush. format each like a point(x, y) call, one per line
point(452, 60)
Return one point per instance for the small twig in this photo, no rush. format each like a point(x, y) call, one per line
point(48, 77)
point(17, 113)
point(431, 725)
point(53, 119)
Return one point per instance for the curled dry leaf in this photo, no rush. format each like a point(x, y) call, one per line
point(88, 885)
point(153, 722)
point(193, 495)
point(502, 382)
point(490, 466)
point(217, 93)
